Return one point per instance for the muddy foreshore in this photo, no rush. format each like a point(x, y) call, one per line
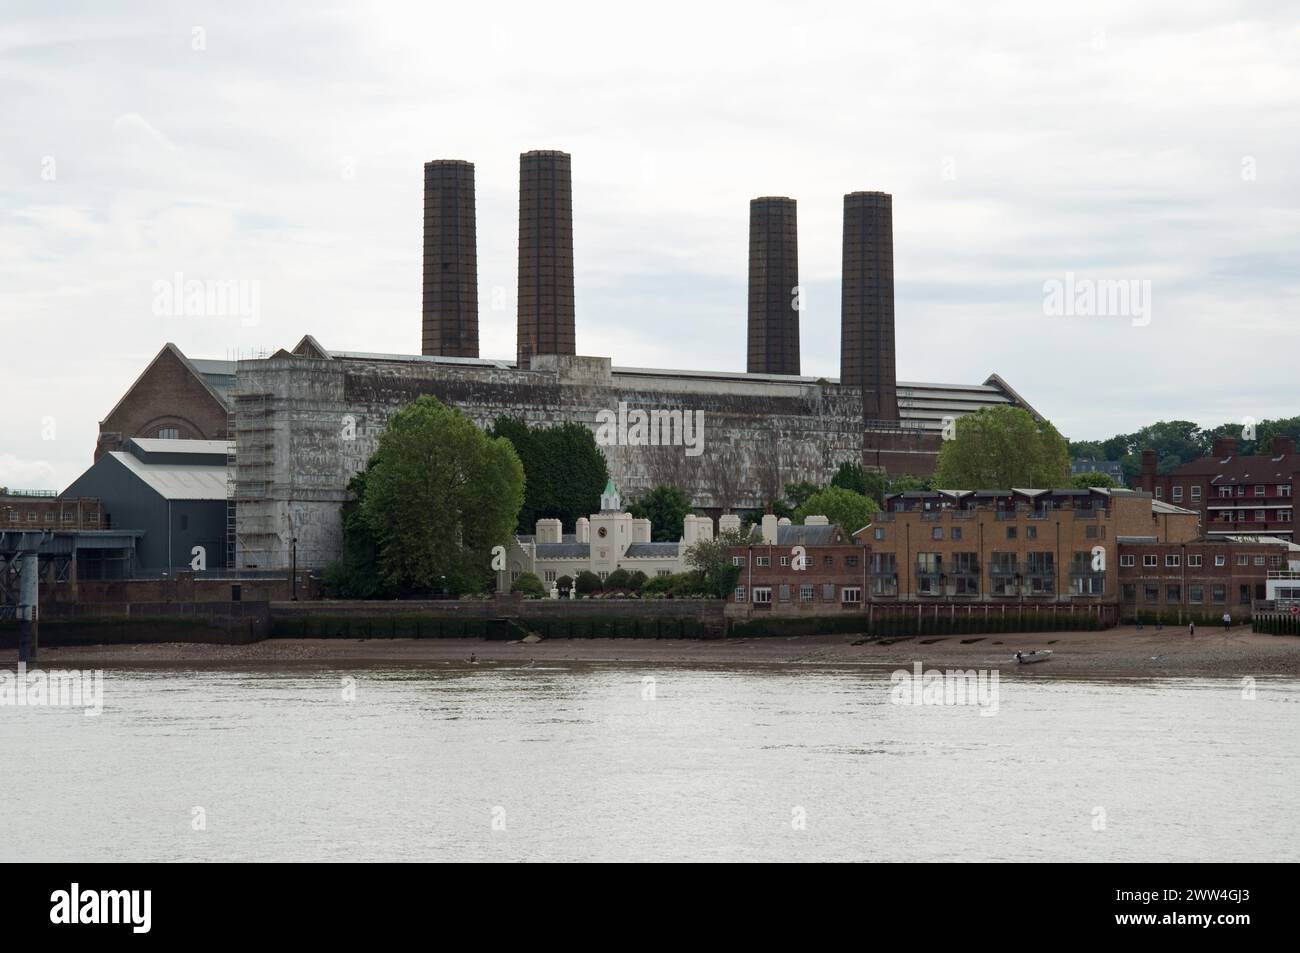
point(1120, 652)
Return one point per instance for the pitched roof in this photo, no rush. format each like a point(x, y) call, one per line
point(652, 551)
point(1241, 468)
point(174, 481)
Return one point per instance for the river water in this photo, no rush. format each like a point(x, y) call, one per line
point(616, 761)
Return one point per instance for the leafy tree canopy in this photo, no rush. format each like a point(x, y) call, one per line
point(437, 496)
point(666, 508)
point(1003, 447)
point(848, 510)
point(564, 471)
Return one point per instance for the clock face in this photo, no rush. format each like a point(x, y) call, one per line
point(602, 532)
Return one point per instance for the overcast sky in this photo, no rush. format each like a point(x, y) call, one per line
point(282, 144)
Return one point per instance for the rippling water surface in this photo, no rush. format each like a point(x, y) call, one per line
point(575, 762)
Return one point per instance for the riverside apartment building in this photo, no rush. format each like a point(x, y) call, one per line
point(1020, 545)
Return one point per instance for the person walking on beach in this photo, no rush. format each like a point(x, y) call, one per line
point(1227, 621)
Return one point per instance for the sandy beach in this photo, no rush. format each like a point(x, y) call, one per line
point(1119, 652)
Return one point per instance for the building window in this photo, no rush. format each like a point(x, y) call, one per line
point(784, 592)
point(169, 433)
point(1220, 560)
point(737, 560)
point(1151, 593)
point(1220, 593)
point(1243, 594)
point(785, 560)
point(1196, 594)
point(1225, 492)
point(1031, 532)
point(879, 533)
point(1259, 490)
point(1129, 591)
point(1149, 560)
point(1243, 560)
point(1178, 494)
point(1173, 559)
point(762, 594)
point(1284, 516)
point(1194, 560)
point(740, 593)
point(1011, 532)
point(956, 532)
point(1241, 490)
point(1284, 489)
point(1260, 516)
point(49, 516)
point(1091, 532)
point(1127, 560)
point(1160, 493)
point(936, 532)
point(1174, 593)
point(550, 575)
point(603, 575)
point(851, 594)
point(850, 561)
point(763, 560)
point(805, 593)
point(663, 572)
point(828, 592)
point(1260, 561)
point(1196, 493)
point(828, 560)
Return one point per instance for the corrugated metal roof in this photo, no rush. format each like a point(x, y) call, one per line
point(175, 481)
point(163, 445)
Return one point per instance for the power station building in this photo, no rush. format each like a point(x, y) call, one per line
point(304, 420)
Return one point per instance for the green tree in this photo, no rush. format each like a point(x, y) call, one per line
point(564, 470)
point(795, 495)
point(1002, 447)
point(1081, 481)
point(530, 586)
point(846, 509)
point(438, 495)
point(637, 580)
point(588, 582)
point(564, 584)
point(711, 558)
point(355, 575)
point(666, 508)
point(618, 579)
point(850, 477)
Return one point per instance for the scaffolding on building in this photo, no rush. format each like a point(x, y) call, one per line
point(251, 496)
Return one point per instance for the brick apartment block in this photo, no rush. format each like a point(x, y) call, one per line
point(1234, 494)
point(1001, 545)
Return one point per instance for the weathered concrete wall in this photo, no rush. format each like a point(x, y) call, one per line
point(321, 420)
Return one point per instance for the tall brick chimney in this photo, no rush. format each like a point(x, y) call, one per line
point(773, 279)
point(1224, 447)
point(867, 303)
point(450, 307)
point(1147, 476)
point(545, 322)
point(1282, 446)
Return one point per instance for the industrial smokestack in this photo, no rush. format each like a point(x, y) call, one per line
point(867, 303)
point(773, 287)
point(450, 325)
point(545, 321)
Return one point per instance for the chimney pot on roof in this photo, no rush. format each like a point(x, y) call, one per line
point(1225, 447)
point(1283, 446)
